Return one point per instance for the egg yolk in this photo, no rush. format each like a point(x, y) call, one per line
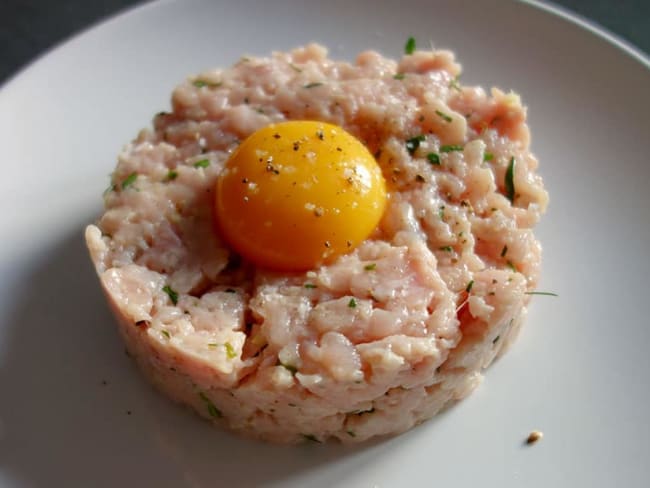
point(298, 194)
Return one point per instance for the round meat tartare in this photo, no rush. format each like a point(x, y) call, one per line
point(368, 342)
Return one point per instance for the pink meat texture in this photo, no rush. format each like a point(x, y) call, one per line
point(440, 286)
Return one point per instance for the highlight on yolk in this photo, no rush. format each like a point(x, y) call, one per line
point(298, 194)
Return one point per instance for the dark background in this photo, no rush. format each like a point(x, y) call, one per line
point(29, 27)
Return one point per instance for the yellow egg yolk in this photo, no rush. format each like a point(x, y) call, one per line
point(298, 194)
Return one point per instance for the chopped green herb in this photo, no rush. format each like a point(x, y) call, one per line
point(129, 180)
point(496, 339)
point(204, 163)
point(352, 303)
point(173, 296)
point(450, 148)
point(469, 286)
point(311, 437)
point(399, 76)
point(212, 410)
point(488, 156)
point(446, 248)
point(370, 267)
point(504, 251)
point(434, 158)
point(413, 143)
point(213, 344)
point(409, 47)
point(545, 293)
point(453, 84)
point(295, 68)
point(210, 84)
point(310, 285)
point(312, 85)
point(290, 367)
point(111, 187)
point(230, 351)
point(351, 433)
point(165, 333)
point(510, 180)
point(444, 116)
point(171, 175)
point(441, 212)
point(511, 266)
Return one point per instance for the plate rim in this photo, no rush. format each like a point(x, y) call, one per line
point(593, 27)
point(548, 7)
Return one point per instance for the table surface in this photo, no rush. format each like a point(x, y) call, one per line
point(30, 27)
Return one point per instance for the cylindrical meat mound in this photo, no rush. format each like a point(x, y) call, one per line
point(383, 337)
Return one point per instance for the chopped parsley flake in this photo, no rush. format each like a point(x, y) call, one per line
point(210, 84)
point(290, 367)
point(434, 158)
point(444, 116)
point(312, 85)
point(545, 293)
point(230, 351)
point(352, 303)
point(212, 410)
point(469, 286)
point(370, 267)
point(409, 47)
point(310, 437)
point(399, 76)
point(488, 156)
point(504, 251)
point(446, 248)
point(171, 175)
point(351, 433)
point(111, 187)
point(441, 212)
point(510, 180)
point(310, 285)
point(295, 68)
point(165, 333)
point(450, 148)
point(496, 339)
point(413, 144)
point(453, 84)
point(173, 296)
point(204, 163)
point(511, 266)
point(129, 180)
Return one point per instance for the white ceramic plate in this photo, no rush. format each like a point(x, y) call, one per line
point(580, 372)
